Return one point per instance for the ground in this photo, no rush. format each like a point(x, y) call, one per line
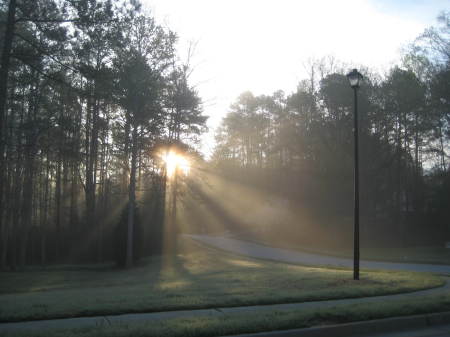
point(202, 278)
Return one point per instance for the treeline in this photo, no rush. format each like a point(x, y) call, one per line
point(300, 147)
point(89, 90)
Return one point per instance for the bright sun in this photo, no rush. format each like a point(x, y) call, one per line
point(175, 162)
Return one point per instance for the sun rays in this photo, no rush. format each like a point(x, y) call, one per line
point(175, 162)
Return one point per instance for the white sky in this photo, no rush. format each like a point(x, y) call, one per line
point(261, 45)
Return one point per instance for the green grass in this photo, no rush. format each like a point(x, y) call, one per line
point(427, 254)
point(433, 255)
point(257, 322)
point(198, 278)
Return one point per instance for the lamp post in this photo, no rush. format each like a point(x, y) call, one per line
point(355, 78)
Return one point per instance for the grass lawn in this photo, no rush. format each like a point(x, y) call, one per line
point(256, 322)
point(432, 255)
point(198, 278)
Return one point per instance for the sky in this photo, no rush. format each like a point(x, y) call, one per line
point(263, 45)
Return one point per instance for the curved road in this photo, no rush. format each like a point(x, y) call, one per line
point(290, 256)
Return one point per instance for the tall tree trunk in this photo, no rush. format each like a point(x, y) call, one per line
point(126, 152)
point(90, 184)
point(442, 148)
point(58, 209)
point(16, 198)
point(75, 167)
point(4, 71)
point(173, 216)
point(44, 224)
point(27, 205)
point(102, 194)
point(73, 213)
point(8, 203)
point(132, 197)
point(6, 229)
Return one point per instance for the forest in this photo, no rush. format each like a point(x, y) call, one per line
point(299, 147)
point(94, 92)
point(90, 93)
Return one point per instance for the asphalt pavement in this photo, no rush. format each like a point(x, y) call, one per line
point(260, 251)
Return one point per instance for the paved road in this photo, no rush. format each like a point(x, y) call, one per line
point(284, 255)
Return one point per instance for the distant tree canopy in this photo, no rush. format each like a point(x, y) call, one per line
point(301, 145)
point(88, 90)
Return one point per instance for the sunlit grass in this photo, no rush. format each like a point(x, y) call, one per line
point(198, 278)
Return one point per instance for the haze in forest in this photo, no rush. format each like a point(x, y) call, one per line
point(104, 105)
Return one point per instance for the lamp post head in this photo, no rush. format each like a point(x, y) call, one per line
point(355, 78)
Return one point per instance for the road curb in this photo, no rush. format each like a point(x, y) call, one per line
point(377, 326)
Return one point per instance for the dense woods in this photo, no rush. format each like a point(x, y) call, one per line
point(89, 91)
point(299, 147)
point(92, 92)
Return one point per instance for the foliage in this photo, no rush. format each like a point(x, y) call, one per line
point(299, 146)
point(87, 101)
